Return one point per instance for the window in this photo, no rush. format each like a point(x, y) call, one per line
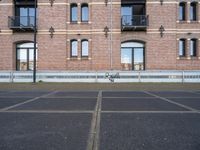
point(24, 14)
point(84, 13)
point(84, 48)
point(25, 56)
point(182, 11)
point(74, 48)
point(182, 45)
point(74, 13)
point(193, 47)
point(193, 11)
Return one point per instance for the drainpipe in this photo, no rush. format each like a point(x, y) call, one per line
point(111, 34)
point(35, 34)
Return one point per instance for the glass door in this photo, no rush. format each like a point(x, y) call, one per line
point(126, 13)
point(138, 58)
point(126, 59)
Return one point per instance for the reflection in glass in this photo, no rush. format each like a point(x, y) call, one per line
point(126, 58)
point(193, 47)
point(74, 48)
point(25, 56)
point(84, 13)
point(84, 48)
point(193, 11)
point(126, 12)
point(138, 59)
point(74, 13)
point(182, 11)
point(182, 47)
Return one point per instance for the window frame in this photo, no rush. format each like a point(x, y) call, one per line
point(27, 55)
point(71, 48)
point(82, 6)
point(183, 6)
point(73, 5)
point(85, 40)
point(194, 47)
point(194, 14)
point(183, 49)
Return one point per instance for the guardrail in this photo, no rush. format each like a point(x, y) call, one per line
point(103, 77)
point(22, 22)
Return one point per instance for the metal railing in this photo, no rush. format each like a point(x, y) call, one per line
point(103, 76)
point(134, 21)
point(25, 22)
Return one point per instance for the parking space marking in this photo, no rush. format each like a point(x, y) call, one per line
point(151, 112)
point(49, 111)
point(69, 97)
point(127, 97)
point(27, 101)
point(172, 102)
point(147, 97)
point(93, 140)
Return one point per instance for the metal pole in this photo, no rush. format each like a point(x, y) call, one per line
point(35, 33)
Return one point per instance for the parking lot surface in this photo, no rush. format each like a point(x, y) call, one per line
point(99, 120)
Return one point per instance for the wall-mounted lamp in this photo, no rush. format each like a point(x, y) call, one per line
point(51, 2)
point(106, 2)
point(51, 30)
point(106, 30)
point(161, 29)
point(161, 2)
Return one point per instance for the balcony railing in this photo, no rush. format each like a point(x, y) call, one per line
point(25, 23)
point(134, 22)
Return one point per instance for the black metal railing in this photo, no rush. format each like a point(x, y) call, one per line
point(21, 22)
point(134, 21)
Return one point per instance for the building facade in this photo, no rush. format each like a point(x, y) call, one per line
point(100, 35)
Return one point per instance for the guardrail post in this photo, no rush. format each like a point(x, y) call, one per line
point(139, 77)
point(96, 77)
point(183, 76)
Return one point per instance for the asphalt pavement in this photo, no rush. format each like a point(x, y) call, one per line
point(99, 120)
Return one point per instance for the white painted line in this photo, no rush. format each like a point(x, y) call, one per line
point(128, 97)
point(62, 97)
point(146, 97)
point(172, 102)
point(47, 111)
point(150, 112)
point(27, 101)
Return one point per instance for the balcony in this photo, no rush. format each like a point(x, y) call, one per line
point(21, 23)
point(134, 22)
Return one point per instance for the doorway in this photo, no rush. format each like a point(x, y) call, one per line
point(132, 56)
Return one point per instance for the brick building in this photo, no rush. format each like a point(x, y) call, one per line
point(101, 34)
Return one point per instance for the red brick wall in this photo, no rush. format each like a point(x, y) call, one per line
point(104, 52)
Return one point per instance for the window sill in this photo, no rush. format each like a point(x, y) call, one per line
point(74, 22)
point(194, 57)
point(182, 21)
point(85, 58)
point(194, 21)
point(73, 58)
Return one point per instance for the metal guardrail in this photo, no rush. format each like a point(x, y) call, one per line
point(134, 21)
point(22, 22)
point(103, 77)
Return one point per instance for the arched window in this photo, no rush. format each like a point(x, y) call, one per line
point(193, 47)
point(182, 47)
point(74, 48)
point(182, 11)
point(84, 48)
point(132, 56)
point(193, 11)
point(84, 13)
point(25, 56)
point(74, 13)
